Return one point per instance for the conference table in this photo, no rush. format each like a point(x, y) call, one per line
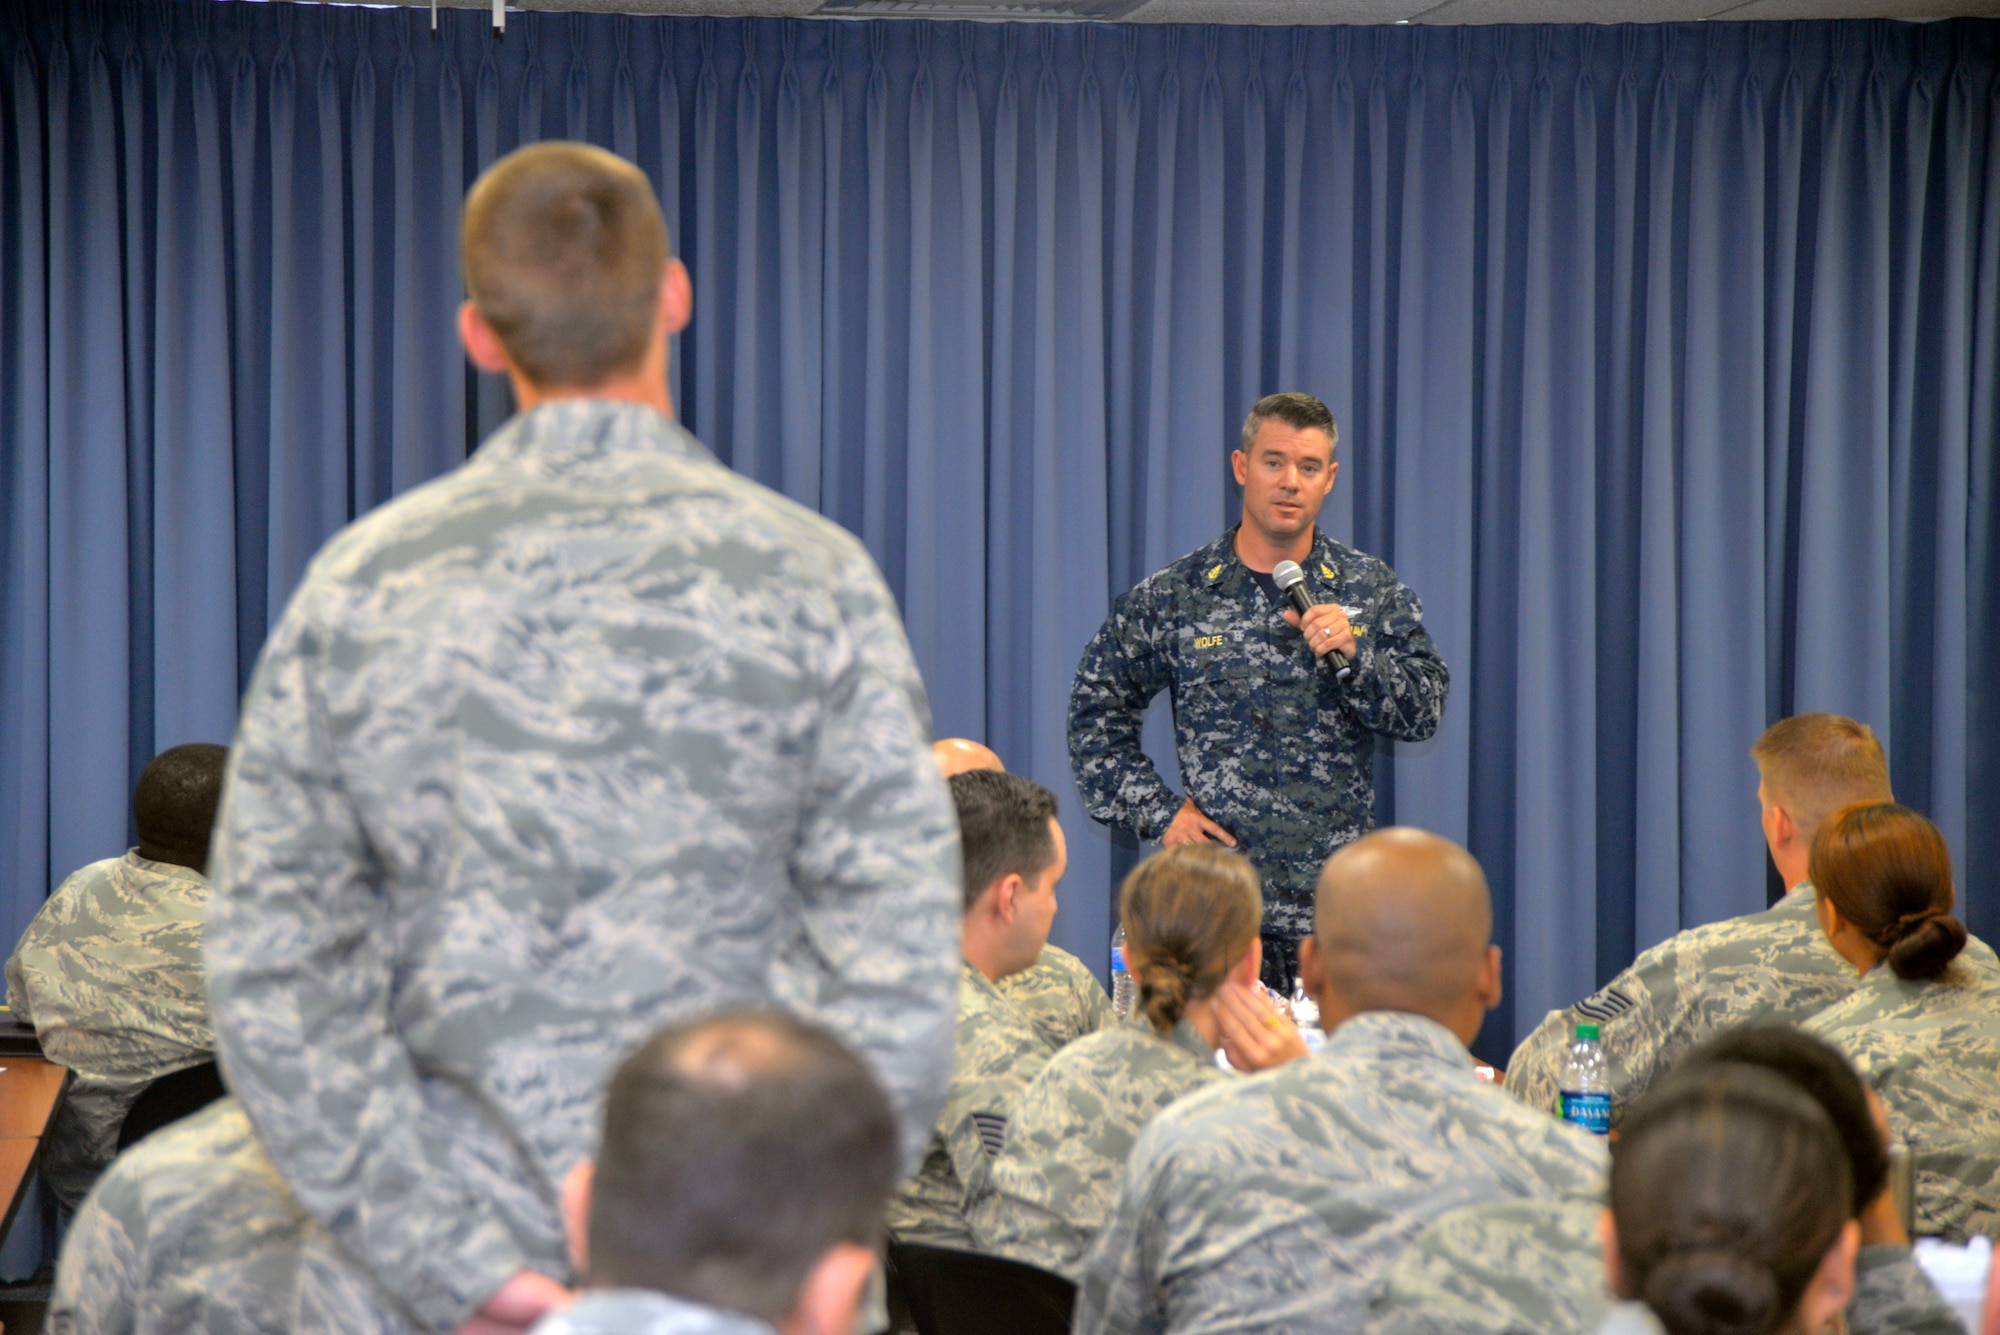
point(31, 1090)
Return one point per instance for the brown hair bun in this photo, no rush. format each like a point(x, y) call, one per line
point(1190, 913)
point(1886, 870)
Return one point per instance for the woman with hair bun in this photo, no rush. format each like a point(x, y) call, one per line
point(1923, 1026)
point(1505, 1267)
point(1732, 1205)
point(1192, 916)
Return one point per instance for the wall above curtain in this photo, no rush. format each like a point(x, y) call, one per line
point(1666, 361)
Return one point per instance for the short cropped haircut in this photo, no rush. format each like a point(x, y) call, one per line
point(173, 805)
point(1003, 828)
point(1301, 412)
point(564, 248)
point(1813, 764)
point(737, 1150)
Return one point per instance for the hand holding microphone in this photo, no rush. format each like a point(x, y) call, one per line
point(1323, 624)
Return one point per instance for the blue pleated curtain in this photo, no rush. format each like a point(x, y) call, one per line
point(1665, 360)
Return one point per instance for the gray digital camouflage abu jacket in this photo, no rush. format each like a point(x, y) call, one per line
point(1000, 1050)
point(588, 736)
point(190, 1231)
point(1046, 1196)
point(109, 973)
point(1061, 996)
point(1276, 1203)
point(1931, 1049)
point(1774, 965)
point(1530, 1267)
point(1271, 747)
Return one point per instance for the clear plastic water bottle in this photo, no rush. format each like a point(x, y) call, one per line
point(1122, 988)
point(1305, 1011)
point(1586, 1093)
point(1305, 1014)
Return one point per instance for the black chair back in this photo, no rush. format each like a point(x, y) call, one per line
point(950, 1292)
point(169, 1099)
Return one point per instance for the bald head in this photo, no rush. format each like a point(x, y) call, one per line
point(961, 755)
point(1402, 922)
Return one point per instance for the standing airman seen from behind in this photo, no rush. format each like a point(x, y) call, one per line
point(1923, 1027)
point(1014, 856)
point(1773, 965)
point(1058, 991)
point(1277, 753)
point(1518, 1267)
point(109, 972)
point(1277, 1203)
point(589, 736)
point(1191, 916)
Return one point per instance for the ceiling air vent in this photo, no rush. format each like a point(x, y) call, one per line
point(1088, 10)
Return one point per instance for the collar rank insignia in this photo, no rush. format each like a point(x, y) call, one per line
point(1326, 572)
point(1213, 572)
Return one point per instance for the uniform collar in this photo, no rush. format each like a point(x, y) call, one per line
point(1398, 1036)
point(988, 990)
point(172, 870)
point(1219, 561)
point(1631, 1319)
point(1183, 1035)
point(968, 974)
point(581, 428)
point(1801, 895)
point(647, 1312)
point(1188, 1038)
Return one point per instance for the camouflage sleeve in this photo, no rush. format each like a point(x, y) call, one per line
point(17, 994)
point(1098, 1012)
point(1400, 680)
point(98, 1285)
point(1061, 996)
point(1637, 1021)
point(877, 871)
point(973, 1131)
point(1122, 670)
point(299, 992)
point(1515, 1267)
point(1116, 1295)
point(1535, 1067)
point(1893, 1296)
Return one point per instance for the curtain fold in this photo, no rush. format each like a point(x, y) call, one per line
point(1665, 360)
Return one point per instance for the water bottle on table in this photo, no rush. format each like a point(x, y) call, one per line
point(1585, 1090)
point(1305, 1014)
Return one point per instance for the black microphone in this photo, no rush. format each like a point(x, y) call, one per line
point(1291, 582)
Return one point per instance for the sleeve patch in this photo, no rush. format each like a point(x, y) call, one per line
point(992, 1128)
point(1606, 1006)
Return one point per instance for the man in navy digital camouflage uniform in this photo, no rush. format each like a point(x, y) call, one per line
point(1277, 754)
